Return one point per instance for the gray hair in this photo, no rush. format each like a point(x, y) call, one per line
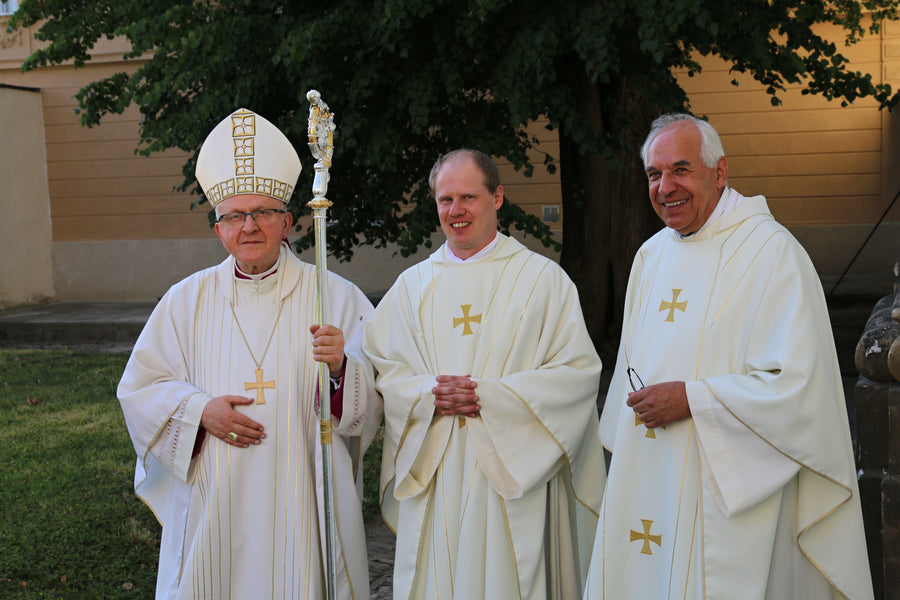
point(711, 149)
point(484, 162)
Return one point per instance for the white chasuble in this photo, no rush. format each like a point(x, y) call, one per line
point(755, 496)
point(247, 522)
point(502, 505)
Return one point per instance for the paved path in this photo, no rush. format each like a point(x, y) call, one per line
point(380, 544)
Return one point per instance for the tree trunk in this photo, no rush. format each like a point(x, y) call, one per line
point(606, 209)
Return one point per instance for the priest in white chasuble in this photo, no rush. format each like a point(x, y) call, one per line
point(732, 473)
point(492, 472)
point(220, 397)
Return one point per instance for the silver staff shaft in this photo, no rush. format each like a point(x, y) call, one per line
point(325, 403)
point(321, 144)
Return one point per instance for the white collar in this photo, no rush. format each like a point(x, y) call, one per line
point(728, 201)
point(259, 276)
point(475, 257)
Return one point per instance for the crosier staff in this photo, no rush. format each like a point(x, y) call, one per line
point(321, 144)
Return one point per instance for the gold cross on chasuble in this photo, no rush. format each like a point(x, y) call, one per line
point(672, 306)
point(646, 537)
point(650, 433)
point(465, 320)
point(259, 386)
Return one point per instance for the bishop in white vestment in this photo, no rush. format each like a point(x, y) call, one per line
point(754, 494)
point(220, 398)
point(499, 504)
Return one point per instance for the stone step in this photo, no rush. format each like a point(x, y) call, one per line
point(75, 323)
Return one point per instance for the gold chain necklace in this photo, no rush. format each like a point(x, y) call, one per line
point(259, 385)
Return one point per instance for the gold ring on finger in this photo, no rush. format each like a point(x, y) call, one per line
point(233, 436)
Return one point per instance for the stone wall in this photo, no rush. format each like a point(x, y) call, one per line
point(877, 399)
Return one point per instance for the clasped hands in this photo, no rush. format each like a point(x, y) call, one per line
point(220, 417)
point(454, 395)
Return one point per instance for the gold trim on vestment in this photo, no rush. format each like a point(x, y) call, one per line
point(808, 468)
point(429, 509)
point(744, 274)
point(563, 454)
point(702, 573)
point(296, 537)
point(489, 310)
point(534, 286)
point(514, 274)
point(512, 546)
point(403, 435)
point(687, 453)
point(147, 452)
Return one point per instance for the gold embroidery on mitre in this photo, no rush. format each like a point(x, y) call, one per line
point(244, 185)
point(254, 143)
point(264, 186)
point(281, 190)
point(243, 166)
point(227, 188)
point(243, 147)
point(646, 537)
point(466, 319)
point(243, 123)
point(672, 306)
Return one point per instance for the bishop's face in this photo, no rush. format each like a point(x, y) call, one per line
point(467, 210)
point(684, 192)
point(255, 243)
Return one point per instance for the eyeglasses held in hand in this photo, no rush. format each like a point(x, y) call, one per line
point(631, 381)
point(262, 216)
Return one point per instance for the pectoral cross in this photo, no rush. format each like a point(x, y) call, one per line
point(671, 306)
point(465, 320)
point(646, 537)
point(259, 386)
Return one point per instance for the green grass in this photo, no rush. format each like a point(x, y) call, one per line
point(71, 526)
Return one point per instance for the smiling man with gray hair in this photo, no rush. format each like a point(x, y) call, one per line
point(732, 471)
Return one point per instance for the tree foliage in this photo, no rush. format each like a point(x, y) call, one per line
point(411, 79)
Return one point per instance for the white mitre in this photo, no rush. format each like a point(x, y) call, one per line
point(246, 154)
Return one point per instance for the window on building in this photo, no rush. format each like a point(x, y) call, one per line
point(8, 7)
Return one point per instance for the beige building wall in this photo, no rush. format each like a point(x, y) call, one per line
point(828, 172)
point(26, 271)
point(120, 232)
